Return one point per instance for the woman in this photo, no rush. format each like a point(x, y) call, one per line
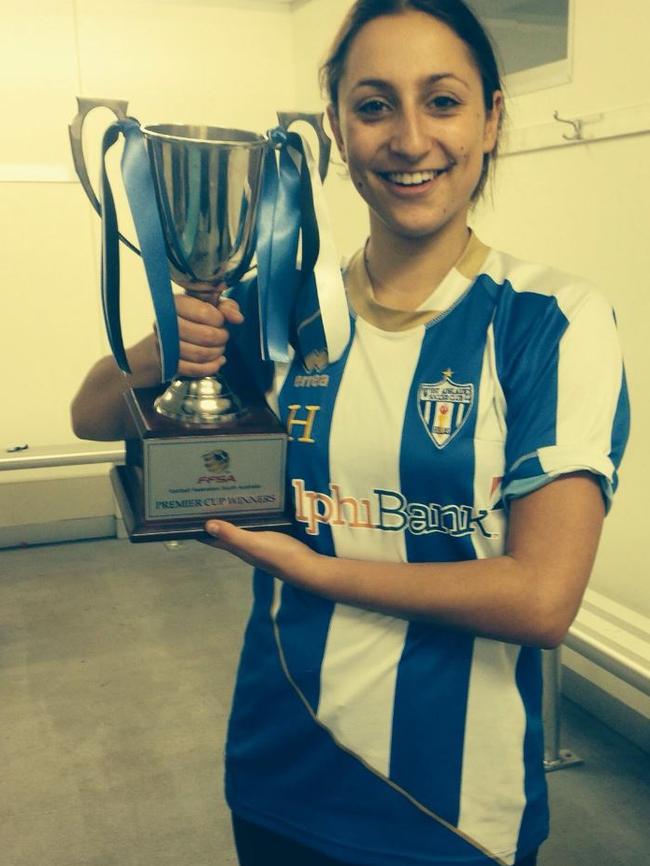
point(450, 476)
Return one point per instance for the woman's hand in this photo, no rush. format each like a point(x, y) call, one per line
point(274, 552)
point(99, 411)
point(203, 333)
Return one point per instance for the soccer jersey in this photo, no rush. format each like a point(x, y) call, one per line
point(375, 739)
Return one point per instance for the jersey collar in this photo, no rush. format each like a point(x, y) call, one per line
point(444, 296)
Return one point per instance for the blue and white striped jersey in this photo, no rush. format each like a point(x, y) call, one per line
point(365, 735)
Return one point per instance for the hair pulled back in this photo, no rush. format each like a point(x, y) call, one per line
point(455, 14)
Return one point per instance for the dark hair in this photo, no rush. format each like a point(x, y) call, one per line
point(455, 14)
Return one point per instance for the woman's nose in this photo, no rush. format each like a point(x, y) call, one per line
point(410, 137)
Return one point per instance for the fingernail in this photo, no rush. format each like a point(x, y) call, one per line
point(213, 527)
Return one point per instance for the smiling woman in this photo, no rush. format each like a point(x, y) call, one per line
point(414, 142)
point(416, 108)
point(475, 44)
point(451, 472)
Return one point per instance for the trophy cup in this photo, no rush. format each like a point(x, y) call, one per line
point(204, 202)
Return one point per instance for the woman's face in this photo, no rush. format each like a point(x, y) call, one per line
point(411, 123)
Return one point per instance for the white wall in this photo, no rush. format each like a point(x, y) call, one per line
point(175, 60)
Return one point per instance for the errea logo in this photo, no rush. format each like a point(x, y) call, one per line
point(314, 364)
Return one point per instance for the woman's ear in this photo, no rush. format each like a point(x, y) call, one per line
point(333, 117)
point(493, 123)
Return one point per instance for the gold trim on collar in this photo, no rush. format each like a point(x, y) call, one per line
point(363, 301)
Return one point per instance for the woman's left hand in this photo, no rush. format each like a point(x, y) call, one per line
point(274, 552)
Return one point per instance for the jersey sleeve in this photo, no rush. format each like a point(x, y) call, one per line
point(565, 391)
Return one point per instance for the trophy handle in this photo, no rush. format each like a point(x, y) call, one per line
point(315, 120)
point(75, 129)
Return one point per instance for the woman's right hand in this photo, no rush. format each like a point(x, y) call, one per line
point(203, 333)
point(99, 410)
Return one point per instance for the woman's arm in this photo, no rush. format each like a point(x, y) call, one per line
point(530, 595)
point(99, 411)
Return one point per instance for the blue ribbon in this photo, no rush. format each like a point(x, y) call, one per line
point(141, 194)
point(285, 211)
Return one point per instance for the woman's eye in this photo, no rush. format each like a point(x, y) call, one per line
point(372, 108)
point(444, 103)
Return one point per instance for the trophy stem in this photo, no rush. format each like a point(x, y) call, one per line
point(200, 401)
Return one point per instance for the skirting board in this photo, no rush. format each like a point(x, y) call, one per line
point(57, 531)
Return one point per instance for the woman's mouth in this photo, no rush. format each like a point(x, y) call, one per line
point(412, 178)
point(411, 183)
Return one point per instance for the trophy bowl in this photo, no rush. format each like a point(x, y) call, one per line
point(207, 181)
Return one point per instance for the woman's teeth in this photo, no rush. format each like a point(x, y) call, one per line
point(414, 178)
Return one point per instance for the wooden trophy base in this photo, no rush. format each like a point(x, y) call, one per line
point(177, 476)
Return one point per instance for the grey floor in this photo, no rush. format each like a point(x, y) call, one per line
point(116, 670)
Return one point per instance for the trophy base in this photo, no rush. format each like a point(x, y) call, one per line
point(179, 476)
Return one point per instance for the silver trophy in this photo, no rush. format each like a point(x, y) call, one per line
point(227, 449)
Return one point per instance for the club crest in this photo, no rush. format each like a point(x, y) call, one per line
point(444, 407)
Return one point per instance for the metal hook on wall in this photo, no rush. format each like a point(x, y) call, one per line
point(576, 124)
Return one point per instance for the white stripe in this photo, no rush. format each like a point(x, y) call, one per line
point(364, 647)
point(492, 727)
point(358, 682)
point(589, 380)
point(493, 760)
point(489, 452)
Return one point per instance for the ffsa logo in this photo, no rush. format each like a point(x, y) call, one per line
point(218, 463)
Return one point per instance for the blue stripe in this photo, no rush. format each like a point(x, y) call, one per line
point(429, 716)
point(303, 622)
point(308, 461)
point(527, 329)
point(535, 820)
point(445, 475)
